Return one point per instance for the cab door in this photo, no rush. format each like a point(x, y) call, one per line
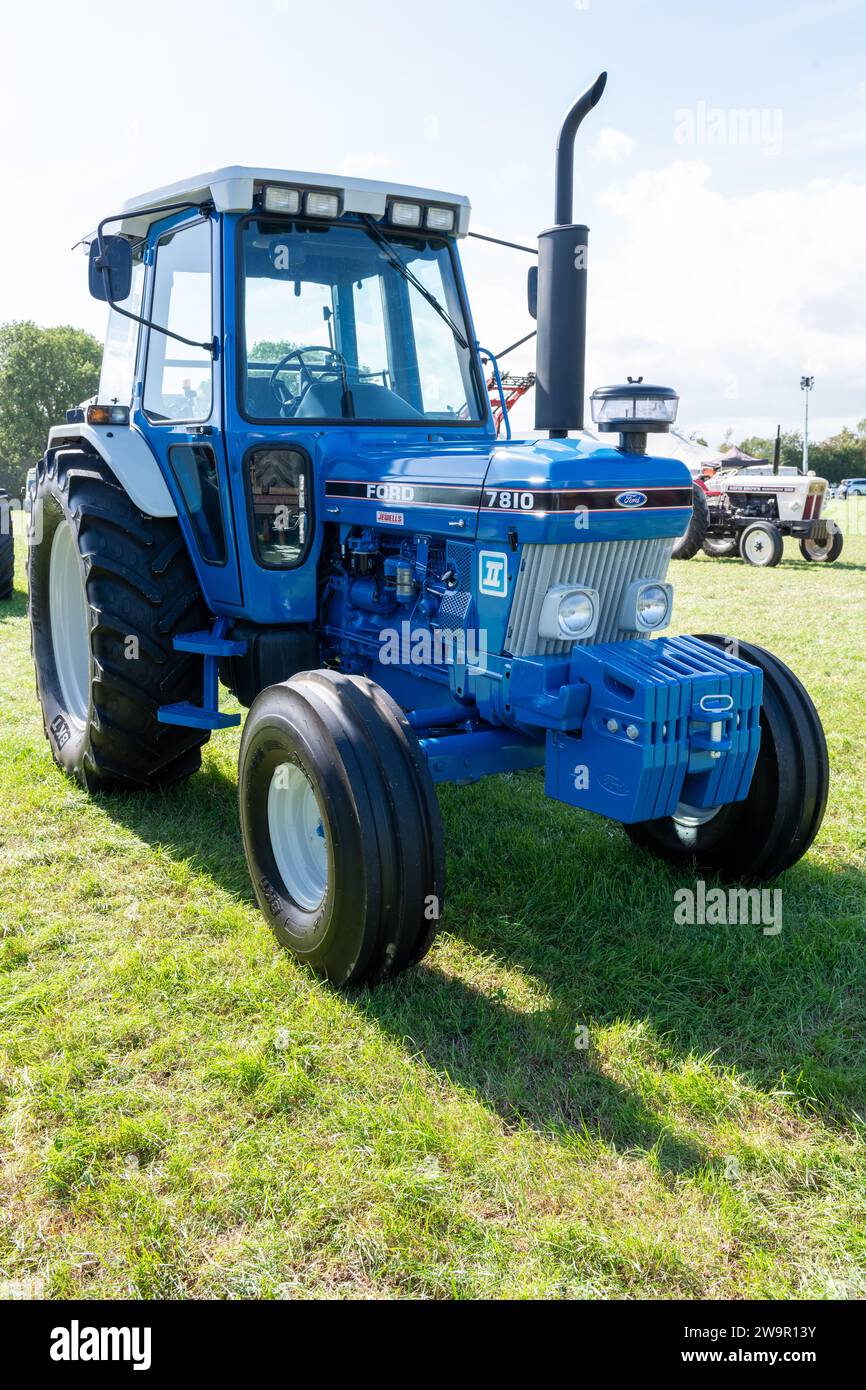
point(179, 403)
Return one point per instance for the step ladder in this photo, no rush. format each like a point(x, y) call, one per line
point(211, 646)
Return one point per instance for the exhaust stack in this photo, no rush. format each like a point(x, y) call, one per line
point(561, 295)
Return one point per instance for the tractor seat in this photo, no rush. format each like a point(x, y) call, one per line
point(323, 401)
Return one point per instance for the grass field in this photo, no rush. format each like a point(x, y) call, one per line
point(184, 1112)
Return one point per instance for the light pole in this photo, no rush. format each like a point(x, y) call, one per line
point(806, 384)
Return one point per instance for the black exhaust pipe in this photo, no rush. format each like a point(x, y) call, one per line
point(560, 360)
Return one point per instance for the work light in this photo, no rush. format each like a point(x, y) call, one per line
point(282, 199)
point(322, 205)
point(405, 214)
point(440, 219)
point(646, 606)
point(568, 613)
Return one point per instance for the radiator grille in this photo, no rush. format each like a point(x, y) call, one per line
point(608, 566)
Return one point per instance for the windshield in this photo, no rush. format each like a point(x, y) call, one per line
point(342, 322)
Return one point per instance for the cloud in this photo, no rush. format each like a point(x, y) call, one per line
point(730, 298)
point(612, 146)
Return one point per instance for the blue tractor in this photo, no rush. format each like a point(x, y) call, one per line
point(290, 483)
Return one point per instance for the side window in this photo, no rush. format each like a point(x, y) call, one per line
point(178, 382)
point(278, 486)
point(117, 377)
point(194, 467)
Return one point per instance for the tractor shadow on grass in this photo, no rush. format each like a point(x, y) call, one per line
point(599, 946)
point(567, 903)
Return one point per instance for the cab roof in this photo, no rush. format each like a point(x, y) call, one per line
point(233, 189)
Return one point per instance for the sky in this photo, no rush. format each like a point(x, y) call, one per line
point(723, 174)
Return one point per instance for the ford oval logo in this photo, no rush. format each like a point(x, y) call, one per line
point(630, 499)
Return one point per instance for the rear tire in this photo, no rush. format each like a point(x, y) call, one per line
point(109, 589)
point(691, 541)
point(822, 554)
point(341, 826)
point(761, 545)
point(720, 547)
point(7, 548)
point(754, 840)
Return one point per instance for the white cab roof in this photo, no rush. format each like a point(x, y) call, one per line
point(232, 190)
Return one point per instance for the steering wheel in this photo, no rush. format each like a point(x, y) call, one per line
point(334, 365)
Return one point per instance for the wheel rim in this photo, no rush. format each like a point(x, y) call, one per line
point(693, 816)
point(298, 838)
point(815, 550)
point(70, 623)
point(757, 548)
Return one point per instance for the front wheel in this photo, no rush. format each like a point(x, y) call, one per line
point(341, 826)
point(761, 544)
point(823, 552)
point(752, 841)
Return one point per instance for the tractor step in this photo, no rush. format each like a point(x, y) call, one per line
point(211, 646)
point(208, 644)
point(195, 717)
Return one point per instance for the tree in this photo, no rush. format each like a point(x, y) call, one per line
point(43, 373)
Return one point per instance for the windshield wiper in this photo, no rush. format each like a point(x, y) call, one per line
point(402, 268)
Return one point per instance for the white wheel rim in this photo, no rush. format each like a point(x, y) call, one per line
point(70, 623)
point(298, 839)
point(817, 550)
point(693, 816)
point(757, 546)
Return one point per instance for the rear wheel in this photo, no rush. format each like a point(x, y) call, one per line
point(720, 546)
point(7, 548)
point(752, 841)
point(693, 538)
point(761, 544)
point(341, 826)
point(823, 553)
point(109, 589)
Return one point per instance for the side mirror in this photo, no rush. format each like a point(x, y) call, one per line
point(117, 261)
point(532, 290)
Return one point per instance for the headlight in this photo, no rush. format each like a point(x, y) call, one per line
point(568, 613)
point(646, 606)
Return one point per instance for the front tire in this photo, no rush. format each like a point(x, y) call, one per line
point(754, 840)
point(109, 589)
point(693, 538)
point(341, 826)
point(761, 545)
point(825, 554)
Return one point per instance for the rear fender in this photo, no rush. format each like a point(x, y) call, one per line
point(128, 455)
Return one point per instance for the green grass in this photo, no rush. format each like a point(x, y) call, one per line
point(185, 1112)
